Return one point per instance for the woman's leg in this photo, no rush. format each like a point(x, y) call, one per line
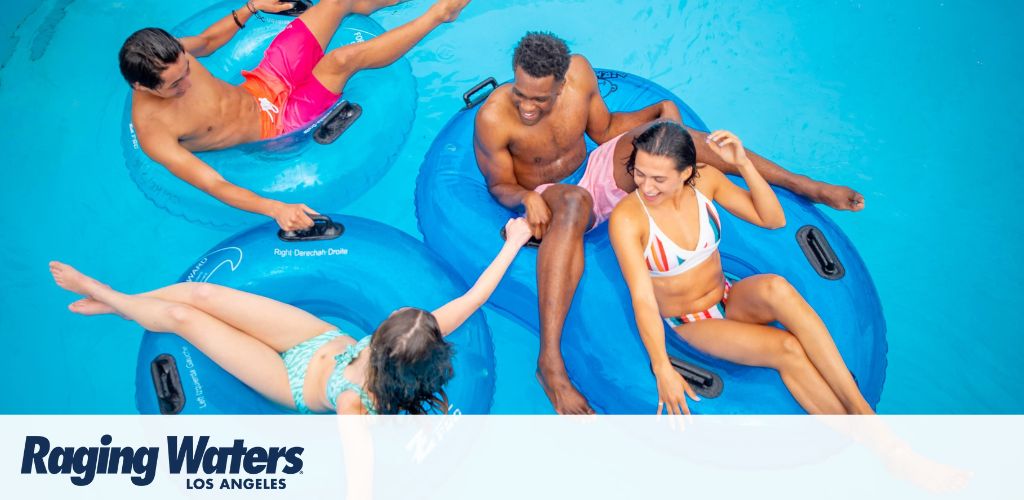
point(276, 324)
point(759, 345)
point(767, 297)
point(251, 361)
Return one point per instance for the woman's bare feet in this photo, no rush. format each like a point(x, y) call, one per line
point(449, 10)
point(72, 280)
point(90, 307)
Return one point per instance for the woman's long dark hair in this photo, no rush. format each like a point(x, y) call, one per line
point(410, 363)
point(667, 139)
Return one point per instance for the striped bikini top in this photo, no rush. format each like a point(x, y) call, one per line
point(665, 258)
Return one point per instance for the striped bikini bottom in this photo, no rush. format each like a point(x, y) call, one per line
point(716, 311)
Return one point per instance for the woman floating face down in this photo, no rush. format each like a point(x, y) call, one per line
point(401, 368)
point(666, 239)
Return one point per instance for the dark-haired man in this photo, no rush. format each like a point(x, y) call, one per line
point(178, 107)
point(529, 136)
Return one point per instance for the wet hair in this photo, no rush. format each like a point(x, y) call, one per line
point(667, 139)
point(542, 54)
point(410, 362)
point(146, 54)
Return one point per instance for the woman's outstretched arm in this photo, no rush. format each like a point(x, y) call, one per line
point(451, 315)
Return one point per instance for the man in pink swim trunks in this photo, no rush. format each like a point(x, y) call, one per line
point(529, 138)
point(179, 108)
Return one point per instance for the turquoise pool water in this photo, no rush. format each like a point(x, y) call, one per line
point(915, 105)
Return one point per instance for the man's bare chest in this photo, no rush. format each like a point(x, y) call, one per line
point(541, 146)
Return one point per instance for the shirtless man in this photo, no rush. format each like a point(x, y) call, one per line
point(179, 108)
point(529, 136)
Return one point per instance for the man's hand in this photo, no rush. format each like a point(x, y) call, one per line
point(294, 216)
point(271, 6)
point(538, 214)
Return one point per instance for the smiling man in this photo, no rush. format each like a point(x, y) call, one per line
point(529, 138)
point(178, 107)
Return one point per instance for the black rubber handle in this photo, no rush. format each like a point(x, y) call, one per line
point(823, 258)
point(531, 243)
point(300, 7)
point(323, 229)
point(467, 97)
point(703, 381)
point(819, 253)
point(337, 122)
point(167, 384)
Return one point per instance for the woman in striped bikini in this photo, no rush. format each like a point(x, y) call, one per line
point(666, 239)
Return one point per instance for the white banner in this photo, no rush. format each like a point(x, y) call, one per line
point(514, 457)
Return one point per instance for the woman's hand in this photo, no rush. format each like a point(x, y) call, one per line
point(672, 392)
point(517, 232)
point(454, 313)
point(728, 147)
point(271, 6)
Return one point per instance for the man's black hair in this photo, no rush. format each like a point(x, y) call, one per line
point(542, 54)
point(146, 54)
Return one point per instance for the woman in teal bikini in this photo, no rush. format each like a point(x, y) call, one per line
point(297, 360)
point(666, 238)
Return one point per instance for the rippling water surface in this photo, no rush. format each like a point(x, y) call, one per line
point(916, 105)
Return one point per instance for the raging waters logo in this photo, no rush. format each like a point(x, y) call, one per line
point(186, 455)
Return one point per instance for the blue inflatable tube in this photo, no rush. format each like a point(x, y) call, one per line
point(354, 282)
point(290, 168)
point(602, 348)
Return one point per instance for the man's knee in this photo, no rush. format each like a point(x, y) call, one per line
point(367, 7)
point(347, 59)
point(341, 4)
point(574, 204)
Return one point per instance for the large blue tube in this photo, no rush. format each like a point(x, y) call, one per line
point(603, 351)
point(354, 282)
point(291, 168)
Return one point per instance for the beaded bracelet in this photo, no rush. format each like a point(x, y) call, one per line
point(237, 22)
point(254, 11)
